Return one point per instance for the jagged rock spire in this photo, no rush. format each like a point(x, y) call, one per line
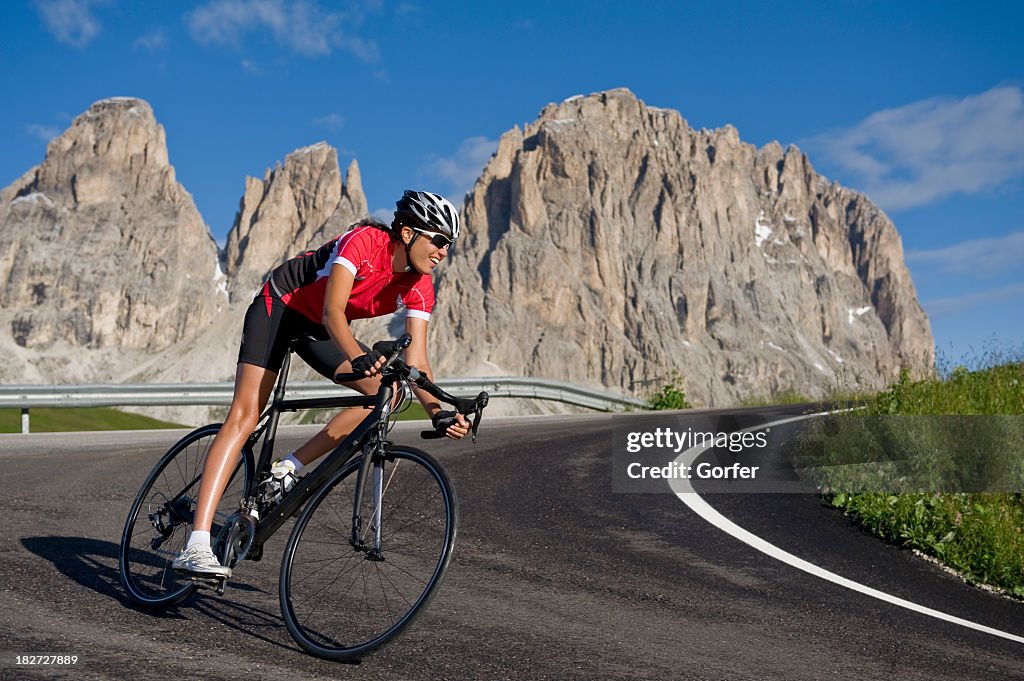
point(610, 242)
point(102, 246)
point(295, 204)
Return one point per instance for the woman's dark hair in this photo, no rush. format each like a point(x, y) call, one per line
point(370, 221)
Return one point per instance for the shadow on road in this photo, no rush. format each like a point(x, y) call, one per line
point(87, 562)
point(92, 564)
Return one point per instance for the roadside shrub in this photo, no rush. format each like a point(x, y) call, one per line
point(861, 463)
point(671, 395)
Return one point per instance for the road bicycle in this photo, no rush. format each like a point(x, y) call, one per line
point(375, 529)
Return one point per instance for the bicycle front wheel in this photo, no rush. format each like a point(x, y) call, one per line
point(343, 602)
point(161, 517)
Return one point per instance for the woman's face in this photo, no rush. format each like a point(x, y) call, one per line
point(424, 255)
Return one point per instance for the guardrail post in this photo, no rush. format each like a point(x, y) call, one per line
point(24, 420)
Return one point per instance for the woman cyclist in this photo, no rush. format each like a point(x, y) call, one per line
point(367, 272)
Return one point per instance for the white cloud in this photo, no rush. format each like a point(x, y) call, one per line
point(69, 21)
point(300, 25)
point(408, 10)
point(946, 307)
point(331, 121)
point(43, 132)
point(459, 171)
point(979, 257)
point(153, 41)
point(924, 151)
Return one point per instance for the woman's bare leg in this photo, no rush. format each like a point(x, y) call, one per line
point(331, 435)
point(338, 428)
point(253, 386)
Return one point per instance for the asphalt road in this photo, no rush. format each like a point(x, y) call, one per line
point(554, 577)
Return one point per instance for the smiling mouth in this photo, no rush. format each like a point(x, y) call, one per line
point(435, 261)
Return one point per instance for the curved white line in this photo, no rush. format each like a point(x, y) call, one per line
point(684, 490)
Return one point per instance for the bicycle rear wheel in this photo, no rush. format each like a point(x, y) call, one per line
point(343, 603)
point(160, 519)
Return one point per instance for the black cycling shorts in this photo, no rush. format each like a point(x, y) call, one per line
point(270, 328)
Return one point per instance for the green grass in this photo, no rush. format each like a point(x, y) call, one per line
point(47, 420)
point(995, 390)
point(978, 535)
point(981, 535)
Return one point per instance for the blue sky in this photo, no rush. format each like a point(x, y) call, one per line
point(919, 104)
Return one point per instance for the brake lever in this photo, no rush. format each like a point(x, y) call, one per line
point(481, 401)
point(476, 421)
point(401, 343)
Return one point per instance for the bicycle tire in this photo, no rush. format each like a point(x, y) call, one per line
point(321, 570)
point(146, 551)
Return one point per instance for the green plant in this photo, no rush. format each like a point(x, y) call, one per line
point(978, 535)
point(981, 535)
point(671, 395)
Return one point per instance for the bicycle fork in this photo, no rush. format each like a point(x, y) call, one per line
point(373, 465)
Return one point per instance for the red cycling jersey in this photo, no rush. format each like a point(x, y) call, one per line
point(366, 252)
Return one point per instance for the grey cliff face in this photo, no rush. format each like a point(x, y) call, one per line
point(610, 243)
point(296, 206)
point(606, 243)
point(108, 273)
point(100, 247)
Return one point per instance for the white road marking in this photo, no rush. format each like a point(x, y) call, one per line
point(684, 490)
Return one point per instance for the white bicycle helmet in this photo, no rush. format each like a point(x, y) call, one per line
point(429, 212)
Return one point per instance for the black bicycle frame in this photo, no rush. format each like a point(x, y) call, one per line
point(342, 454)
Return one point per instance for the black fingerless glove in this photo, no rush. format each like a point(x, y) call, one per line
point(364, 363)
point(442, 420)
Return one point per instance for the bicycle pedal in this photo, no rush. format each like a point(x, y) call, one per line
point(215, 584)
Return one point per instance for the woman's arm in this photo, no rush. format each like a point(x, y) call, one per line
point(416, 355)
point(339, 287)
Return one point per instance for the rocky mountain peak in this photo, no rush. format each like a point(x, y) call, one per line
point(352, 190)
point(636, 247)
point(296, 204)
point(99, 245)
point(115, 144)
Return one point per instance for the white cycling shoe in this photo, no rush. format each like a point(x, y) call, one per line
point(281, 481)
point(199, 561)
point(284, 472)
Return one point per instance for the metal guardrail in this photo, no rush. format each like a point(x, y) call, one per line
point(26, 397)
